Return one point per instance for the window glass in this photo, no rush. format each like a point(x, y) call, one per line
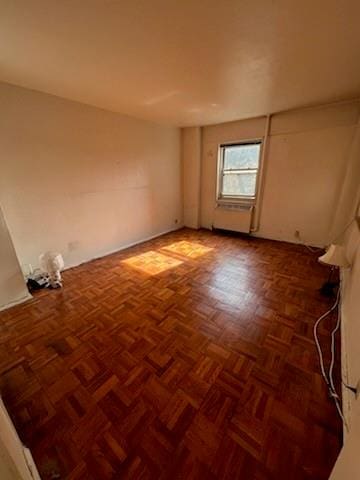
point(241, 156)
point(243, 184)
point(239, 170)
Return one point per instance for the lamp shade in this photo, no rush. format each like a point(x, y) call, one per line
point(335, 256)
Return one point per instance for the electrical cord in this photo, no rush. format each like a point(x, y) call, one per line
point(313, 249)
point(328, 377)
point(318, 346)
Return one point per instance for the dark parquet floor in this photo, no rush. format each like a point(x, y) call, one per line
point(187, 357)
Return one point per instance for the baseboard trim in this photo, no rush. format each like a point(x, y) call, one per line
point(124, 247)
point(287, 240)
point(272, 237)
point(15, 302)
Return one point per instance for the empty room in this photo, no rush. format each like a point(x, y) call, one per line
point(179, 240)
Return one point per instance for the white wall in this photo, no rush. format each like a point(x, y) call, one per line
point(308, 151)
point(7, 468)
point(13, 465)
point(347, 466)
point(347, 209)
point(348, 463)
point(350, 188)
point(191, 158)
point(12, 285)
point(351, 307)
point(81, 180)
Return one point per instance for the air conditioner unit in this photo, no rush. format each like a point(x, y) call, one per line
point(233, 217)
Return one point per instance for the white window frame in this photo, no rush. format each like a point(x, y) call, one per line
point(239, 199)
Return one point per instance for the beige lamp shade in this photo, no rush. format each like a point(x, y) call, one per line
point(335, 256)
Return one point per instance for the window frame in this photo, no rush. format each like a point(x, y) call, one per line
point(239, 199)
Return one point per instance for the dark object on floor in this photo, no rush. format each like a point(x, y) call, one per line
point(328, 289)
point(37, 281)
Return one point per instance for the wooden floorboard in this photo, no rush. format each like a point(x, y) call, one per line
point(187, 357)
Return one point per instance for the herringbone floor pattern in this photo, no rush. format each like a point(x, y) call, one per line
point(189, 357)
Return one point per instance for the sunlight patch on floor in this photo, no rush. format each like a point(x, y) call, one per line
point(188, 249)
point(152, 262)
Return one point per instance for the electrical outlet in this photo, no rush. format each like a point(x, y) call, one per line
point(357, 393)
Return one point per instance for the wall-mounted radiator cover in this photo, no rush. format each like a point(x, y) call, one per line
point(236, 218)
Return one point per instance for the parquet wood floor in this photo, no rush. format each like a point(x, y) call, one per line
point(187, 357)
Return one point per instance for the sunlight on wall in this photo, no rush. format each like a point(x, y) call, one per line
point(188, 249)
point(152, 262)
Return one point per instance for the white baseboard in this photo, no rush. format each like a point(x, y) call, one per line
point(110, 252)
point(124, 247)
point(34, 473)
point(16, 302)
point(284, 238)
point(277, 238)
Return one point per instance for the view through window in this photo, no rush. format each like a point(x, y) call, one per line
point(238, 172)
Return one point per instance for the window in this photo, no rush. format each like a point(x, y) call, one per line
point(238, 171)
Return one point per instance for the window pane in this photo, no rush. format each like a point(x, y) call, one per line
point(241, 156)
point(239, 184)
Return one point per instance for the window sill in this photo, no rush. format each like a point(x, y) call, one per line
point(236, 201)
